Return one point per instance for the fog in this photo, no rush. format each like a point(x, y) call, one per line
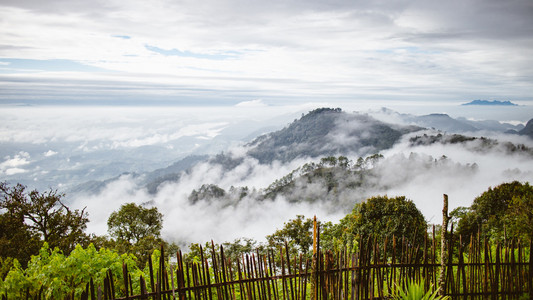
point(59, 147)
point(420, 173)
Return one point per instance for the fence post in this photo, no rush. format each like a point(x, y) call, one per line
point(442, 273)
point(314, 264)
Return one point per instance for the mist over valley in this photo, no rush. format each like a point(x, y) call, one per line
point(225, 177)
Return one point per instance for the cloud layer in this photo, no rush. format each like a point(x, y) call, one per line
point(230, 51)
point(420, 173)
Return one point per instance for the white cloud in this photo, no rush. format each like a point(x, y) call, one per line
point(252, 103)
point(14, 171)
point(50, 153)
point(296, 49)
point(11, 165)
point(19, 159)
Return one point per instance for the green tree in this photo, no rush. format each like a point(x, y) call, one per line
point(136, 230)
point(504, 210)
point(17, 240)
point(381, 217)
point(297, 232)
point(131, 223)
point(60, 275)
point(42, 214)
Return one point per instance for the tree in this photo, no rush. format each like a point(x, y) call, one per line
point(131, 223)
point(136, 230)
point(297, 232)
point(505, 211)
point(17, 240)
point(53, 275)
point(382, 217)
point(42, 214)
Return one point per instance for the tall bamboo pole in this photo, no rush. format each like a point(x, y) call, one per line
point(444, 229)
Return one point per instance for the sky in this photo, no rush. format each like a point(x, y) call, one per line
point(223, 52)
point(90, 90)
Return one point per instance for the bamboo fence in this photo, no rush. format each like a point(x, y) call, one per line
point(477, 270)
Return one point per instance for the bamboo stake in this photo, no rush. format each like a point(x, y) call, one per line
point(442, 274)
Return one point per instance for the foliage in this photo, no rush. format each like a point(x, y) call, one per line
point(298, 233)
point(61, 275)
point(505, 211)
point(32, 215)
point(136, 230)
point(414, 290)
point(131, 223)
point(206, 192)
point(17, 240)
point(382, 217)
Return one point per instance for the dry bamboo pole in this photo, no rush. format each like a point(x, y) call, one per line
point(434, 257)
point(283, 277)
point(445, 219)
point(249, 277)
point(187, 269)
point(450, 277)
point(304, 292)
point(354, 294)
point(512, 269)
point(392, 280)
point(272, 266)
point(521, 282)
point(314, 265)
point(263, 276)
point(242, 290)
point(216, 274)
point(111, 285)
point(461, 273)
point(530, 277)
point(125, 277)
point(289, 270)
point(486, 286)
point(425, 273)
point(257, 281)
point(231, 276)
point(297, 274)
point(266, 275)
point(143, 288)
point(223, 267)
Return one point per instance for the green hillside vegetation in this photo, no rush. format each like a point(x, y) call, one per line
point(480, 144)
point(502, 212)
point(338, 180)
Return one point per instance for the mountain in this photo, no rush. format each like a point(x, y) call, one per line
point(444, 122)
point(474, 144)
point(528, 130)
point(326, 132)
point(151, 180)
point(321, 132)
point(171, 173)
point(493, 102)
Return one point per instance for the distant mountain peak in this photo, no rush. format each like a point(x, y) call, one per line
point(488, 102)
point(528, 130)
point(327, 132)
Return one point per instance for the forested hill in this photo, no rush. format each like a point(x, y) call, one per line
point(326, 132)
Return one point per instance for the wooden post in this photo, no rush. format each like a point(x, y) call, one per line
point(444, 229)
point(314, 264)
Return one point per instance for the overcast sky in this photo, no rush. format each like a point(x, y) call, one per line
point(228, 51)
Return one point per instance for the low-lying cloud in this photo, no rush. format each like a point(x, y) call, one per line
point(421, 173)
